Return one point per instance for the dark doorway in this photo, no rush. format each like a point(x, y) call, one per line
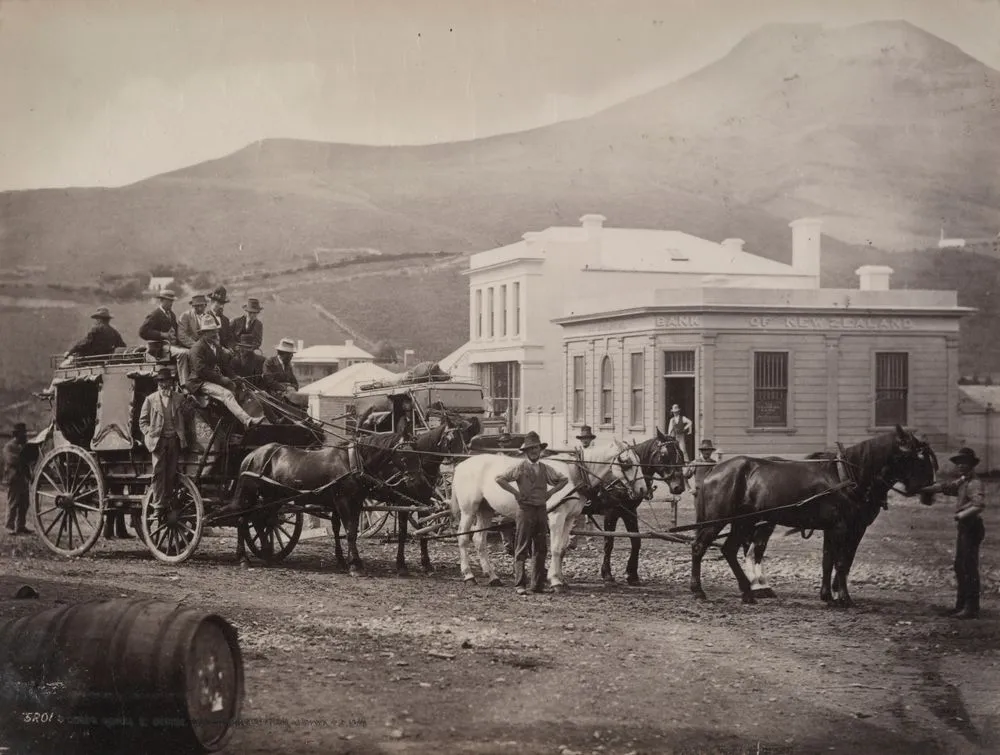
point(680, 390)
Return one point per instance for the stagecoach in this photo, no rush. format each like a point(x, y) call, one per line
point(94, 463)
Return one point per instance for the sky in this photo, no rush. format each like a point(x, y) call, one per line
point(106, 93)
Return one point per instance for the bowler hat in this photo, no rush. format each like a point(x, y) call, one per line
point(531, 440)
point(253, 305)
point(164, 373)
point(167, 294)
point(199, 299)
point(965, 455)
point(586, 433)
point(247, 339)
point(219, 295)
point(286, 344)
point(20, 427)
point(706, 445)
point(102, 313)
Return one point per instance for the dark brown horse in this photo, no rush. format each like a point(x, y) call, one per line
point(338, 477)
point(658, 457)
point(767, 491)
point(433, 448)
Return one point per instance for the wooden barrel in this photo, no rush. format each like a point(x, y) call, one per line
point(119, 676)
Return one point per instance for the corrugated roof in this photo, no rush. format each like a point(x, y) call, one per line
point(342, 382)
point(331, 353)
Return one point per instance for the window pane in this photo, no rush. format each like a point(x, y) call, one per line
point(503, 310)
point(679, 362)
point(892, 381)
point(489, 312)
point(479, 313)
point(770, 398)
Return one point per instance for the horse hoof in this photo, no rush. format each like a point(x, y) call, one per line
point(764, 592)
point(633, 581)
point(608, 579)
point(699, 595)
point(560, 588)
point(749, 599)
point(354, 572)
point(243, 565)
point(428, 569)
point(826, 597)
point(470, 581)
point(496, 582)
point(402, 572)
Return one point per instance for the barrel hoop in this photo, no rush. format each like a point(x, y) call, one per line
point(116, 650)
point(169, 671)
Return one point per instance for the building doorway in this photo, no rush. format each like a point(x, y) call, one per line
point(679, 384)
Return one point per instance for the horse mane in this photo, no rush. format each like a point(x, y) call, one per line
point(868, 459)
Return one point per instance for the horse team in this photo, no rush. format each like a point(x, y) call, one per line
point(839, 494)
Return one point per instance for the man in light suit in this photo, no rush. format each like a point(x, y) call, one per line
point(164, 432)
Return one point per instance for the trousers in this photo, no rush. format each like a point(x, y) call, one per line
point(165, 461)
point(17, 504)
point(531, 532)
point(971, 532)
point(226, 396)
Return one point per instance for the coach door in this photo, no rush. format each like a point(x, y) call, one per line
point(679, 384)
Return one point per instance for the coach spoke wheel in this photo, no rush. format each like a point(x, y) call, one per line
point(67, 497)
point(443, 489)
point(173, 531)
point(271, 536)
point(372, 522)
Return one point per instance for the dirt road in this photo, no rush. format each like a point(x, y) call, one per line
point(395, 665)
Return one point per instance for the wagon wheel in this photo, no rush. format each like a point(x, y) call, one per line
point(271, 535)
point(372, 522)
point(67, 497)
point(443, 489)
point(172, 532)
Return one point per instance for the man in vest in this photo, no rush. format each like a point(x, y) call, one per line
point(971, 500)
point(164, 432)
point(700, 467)
point(536, 483)
point(210, 374)
point(679, 427)
point(250, 323)
point(17, 474)
point(187, 323)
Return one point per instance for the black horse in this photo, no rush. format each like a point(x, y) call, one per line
point(432, 449)
point(338, 477)
point(658, 457)
point(766, 491)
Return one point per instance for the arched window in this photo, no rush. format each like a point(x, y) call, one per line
point(607, 396)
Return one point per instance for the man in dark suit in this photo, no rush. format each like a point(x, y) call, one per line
point(165, 434)
point(246, 364)
point(219, 300)
point(210, 373)
point(280, 378)
point(17, 458)
point(100, 339)
point(159, 328)
point(249, 323)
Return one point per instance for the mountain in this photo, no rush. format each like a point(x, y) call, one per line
point(886, 131)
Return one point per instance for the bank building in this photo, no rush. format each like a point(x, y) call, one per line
point(610, 327)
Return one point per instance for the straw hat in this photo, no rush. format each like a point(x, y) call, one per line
point(208, 321)
point(167, 295)
point(286, 344)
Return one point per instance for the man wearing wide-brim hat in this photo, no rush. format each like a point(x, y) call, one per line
point(101, 339)
point(968, 489)
point(250, 323)
point(586, 436)
point(164, 431)
point(219, 299)
point(536, 483)
point(278, 373)
point(701, 466)
point(187, 323)
point(160, 326)
point(17, 475)
point(210, 373)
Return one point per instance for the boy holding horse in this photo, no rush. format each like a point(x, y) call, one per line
point(536, 482)
point(968, 489)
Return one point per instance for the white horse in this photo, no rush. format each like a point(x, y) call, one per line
point(475, 496)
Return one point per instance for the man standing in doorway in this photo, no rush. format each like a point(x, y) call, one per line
point(536, 482)
point(680, 427)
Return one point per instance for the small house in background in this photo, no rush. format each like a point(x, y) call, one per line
point(159, 283)
point(330, 396)
point(316, 362)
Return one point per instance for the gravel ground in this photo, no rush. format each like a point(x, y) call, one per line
point(386, 664)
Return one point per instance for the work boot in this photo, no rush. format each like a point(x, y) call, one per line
point(959, 607)
point(971, 610)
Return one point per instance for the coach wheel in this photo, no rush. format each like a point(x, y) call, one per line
point(172, 531)
point(67, 498)
point(372, 522)
point(271, 536)
point(443, 489)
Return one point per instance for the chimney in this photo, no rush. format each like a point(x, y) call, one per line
point(874, 277)
point(593, 223)
point(733, 245)
point(408, 356)
point(348, 342)
point(301, 345)
point(806, 234)
point(593, 252)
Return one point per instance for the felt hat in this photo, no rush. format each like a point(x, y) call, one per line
point(208, 321)
point(164, 374)
point(586, 433)
point(531, 440)
point(247, 339)
point(102, 313)
point(965, 456)
point(286, 344)
point(199, 299)
point(253, 305)
point(219, 295)
point(20, 427)
point(706, 445)
point(167, 294)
